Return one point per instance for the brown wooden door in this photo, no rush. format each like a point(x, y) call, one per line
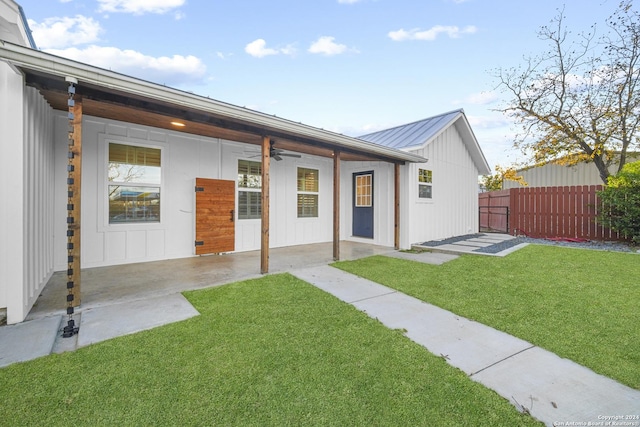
point(215, 216)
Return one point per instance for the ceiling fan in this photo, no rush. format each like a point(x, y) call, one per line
point(277, 153)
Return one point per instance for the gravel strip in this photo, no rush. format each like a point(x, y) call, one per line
point(499, 247)
point(455, 239)
point(591, 244)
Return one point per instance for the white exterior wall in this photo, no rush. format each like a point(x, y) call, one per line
point(184, 158)
point(453, 210)
point(27, 170)
point(383, 201)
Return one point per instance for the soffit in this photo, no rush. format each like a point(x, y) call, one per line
point(110, 103)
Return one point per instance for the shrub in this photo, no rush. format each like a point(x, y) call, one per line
point(621, 198)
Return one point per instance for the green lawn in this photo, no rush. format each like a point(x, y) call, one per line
point(272, 351)
point(581, 304)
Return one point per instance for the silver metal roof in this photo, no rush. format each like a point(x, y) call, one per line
point(418, 134)
point(414, 134)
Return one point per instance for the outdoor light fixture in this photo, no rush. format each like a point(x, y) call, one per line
point(178, 124)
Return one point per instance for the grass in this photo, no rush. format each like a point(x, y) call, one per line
point(271, 351)
point(580, 304)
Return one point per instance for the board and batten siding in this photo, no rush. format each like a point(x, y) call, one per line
point(184, 158)
point(27, 244)
point(453, 210)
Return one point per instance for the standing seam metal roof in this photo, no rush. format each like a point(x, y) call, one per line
point(412, 134)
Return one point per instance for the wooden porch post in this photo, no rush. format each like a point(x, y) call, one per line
point(396, 214)
point(264, 245)
point(336, 205)
point(74, 183)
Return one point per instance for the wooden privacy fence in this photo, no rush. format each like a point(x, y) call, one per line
point(545, 212)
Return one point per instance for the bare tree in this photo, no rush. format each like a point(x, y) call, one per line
point(579, 100)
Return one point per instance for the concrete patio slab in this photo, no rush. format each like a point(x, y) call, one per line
point(454, 248)
point(103, 323)
point(28, 340)
point(475, 243)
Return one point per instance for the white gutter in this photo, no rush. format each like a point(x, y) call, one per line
point(55, 65)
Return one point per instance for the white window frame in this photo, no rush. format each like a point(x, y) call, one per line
point(103, 176)
point(310, 193)
point(369, 196)
point(428, 183)
point(247, 190)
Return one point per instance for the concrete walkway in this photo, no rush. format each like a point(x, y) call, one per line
point(551, 389)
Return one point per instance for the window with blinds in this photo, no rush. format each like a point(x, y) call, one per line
point(307, 193)
point(249, 189)
point(134, 183)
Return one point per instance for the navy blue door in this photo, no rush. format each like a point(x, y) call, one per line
point(363, 204)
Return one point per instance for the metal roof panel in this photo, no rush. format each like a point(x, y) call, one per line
point(412, 134)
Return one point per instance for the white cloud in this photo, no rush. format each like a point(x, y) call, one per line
point(348, 1)
point(174, 70)
point(62, 32)
point(327, 46)
point(431, 34)
point(258, 48)
point(481, 98)
point(495, 121)
point(139, 7)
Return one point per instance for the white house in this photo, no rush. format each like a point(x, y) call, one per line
point(101, 169)
point(439, 197)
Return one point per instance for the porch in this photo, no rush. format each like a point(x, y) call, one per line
point(104, 286)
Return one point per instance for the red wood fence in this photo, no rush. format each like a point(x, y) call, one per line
point(547, 212)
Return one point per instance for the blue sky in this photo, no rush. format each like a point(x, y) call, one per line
point(350, 66)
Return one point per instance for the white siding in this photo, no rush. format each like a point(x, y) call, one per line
point(184, 158)
point(26, 247)
point(453, 210)
point(39, 175)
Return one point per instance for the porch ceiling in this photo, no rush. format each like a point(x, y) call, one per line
point(110, 95)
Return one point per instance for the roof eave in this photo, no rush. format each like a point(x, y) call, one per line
point(474, 150)
point(63, 67)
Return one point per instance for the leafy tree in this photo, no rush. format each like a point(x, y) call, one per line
point(495, 182)
point(621, 198)
point(579, 100)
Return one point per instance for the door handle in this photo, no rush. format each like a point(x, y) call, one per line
point(232, 215)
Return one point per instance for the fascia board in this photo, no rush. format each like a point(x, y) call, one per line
point(51, 64)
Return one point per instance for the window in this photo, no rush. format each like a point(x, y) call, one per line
point(249, 190)
point(307, 193)
point(424, 184)
point(134, 179)
point(363, 191)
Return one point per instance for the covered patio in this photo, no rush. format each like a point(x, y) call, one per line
point(104, 286)
point(86, 94)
